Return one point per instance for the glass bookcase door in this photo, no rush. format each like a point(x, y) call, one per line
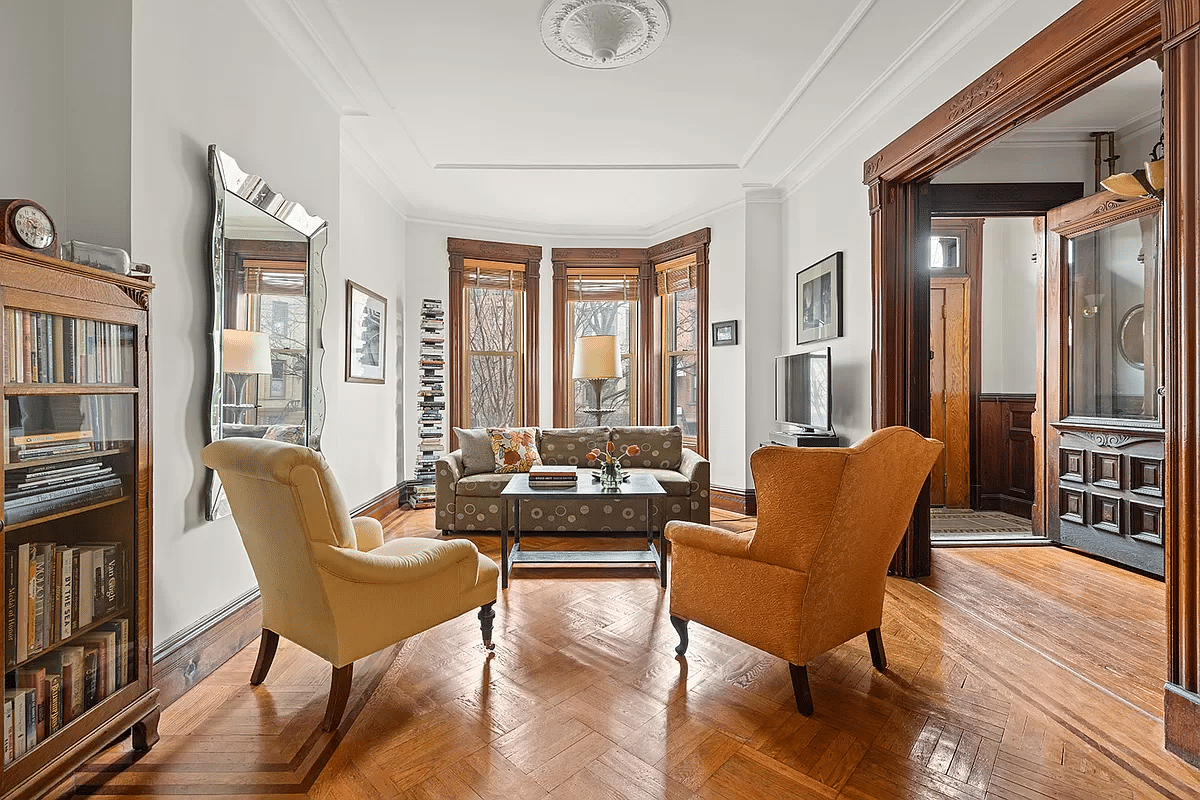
point(70, 521)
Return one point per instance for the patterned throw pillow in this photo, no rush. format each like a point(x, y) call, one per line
point(292, 434)
point(515, 449)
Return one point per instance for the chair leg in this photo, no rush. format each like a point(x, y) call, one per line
point(680, 628)
point(800, 688)
point(339, 693)
point(266, 654)
point(486, 615)
point(878, 657)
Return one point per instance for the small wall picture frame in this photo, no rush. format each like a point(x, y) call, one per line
point(724, 333)
point(366, 335)
point(819, 300)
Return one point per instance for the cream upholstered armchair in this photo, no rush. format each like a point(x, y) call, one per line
point(811, 576)
point(329, 583)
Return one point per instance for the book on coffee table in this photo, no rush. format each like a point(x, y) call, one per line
point(552, 475)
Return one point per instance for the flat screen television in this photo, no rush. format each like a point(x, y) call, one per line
point(802, 390)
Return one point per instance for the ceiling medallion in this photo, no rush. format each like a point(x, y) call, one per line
point(604, 34)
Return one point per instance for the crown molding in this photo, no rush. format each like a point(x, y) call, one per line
point(512, 227)
point(1151, 120)
point(532, 167)
point(907, 81)
point(763, 193)
point(365, 163)
point(818, 66)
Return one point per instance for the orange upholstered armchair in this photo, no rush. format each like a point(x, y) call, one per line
point(812, 575)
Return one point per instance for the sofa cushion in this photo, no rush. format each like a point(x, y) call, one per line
point(515, 449)
point(662, 448)
point(486, 484)
point(476, 447)
point(569, 446)
point(672, 482)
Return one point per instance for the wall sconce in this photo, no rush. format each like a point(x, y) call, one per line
point(1091, 304)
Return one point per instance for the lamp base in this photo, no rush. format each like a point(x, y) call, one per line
point(597, 411)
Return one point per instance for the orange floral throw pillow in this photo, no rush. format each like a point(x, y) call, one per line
point(515, 449)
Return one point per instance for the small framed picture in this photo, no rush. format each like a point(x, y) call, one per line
point(819, 300)
point(724, 333)
point(366, 331)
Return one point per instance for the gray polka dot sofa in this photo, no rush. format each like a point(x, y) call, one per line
point(468, 489)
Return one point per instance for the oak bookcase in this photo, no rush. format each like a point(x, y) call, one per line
point(77, 517)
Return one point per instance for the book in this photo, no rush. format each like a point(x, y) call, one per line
point(10, 608)
point(105, 643)
point(120, 628)
point(91, 675)
point(65, 560)
point(34, 677)
point(43, 438)
point(37, 600)
point(17, 698)
point(22, 602)
point(9, 733)
point(54, 720)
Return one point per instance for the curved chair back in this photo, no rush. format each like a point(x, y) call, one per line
point(838, 514)
point(285, 500)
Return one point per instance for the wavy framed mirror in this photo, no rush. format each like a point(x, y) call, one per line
point(268, 303)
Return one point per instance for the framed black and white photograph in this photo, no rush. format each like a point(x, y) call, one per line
point(366, 323)
point(724, 333)
point(819, 300)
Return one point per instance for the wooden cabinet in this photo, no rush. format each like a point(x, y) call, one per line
point(77, 519)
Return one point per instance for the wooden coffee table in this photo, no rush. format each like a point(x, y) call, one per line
point(638, 487)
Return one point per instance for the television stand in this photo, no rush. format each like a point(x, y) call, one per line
point(805, 439)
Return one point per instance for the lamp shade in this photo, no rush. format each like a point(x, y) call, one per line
point(245, 352)
point(596, 357)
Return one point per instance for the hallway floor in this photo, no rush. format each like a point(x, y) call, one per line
point(959, 527)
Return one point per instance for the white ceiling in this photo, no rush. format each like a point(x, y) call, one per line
point(459, 113)
point(1126, 103)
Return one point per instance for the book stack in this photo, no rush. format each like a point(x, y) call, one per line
point(48, 348)
point(55, 591)
point(431, 402)
point(54, 689)
point(549, 476)
point(38, 491)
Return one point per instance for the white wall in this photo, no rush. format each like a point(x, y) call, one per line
point(828, 212)
point(363, 438)
point(248, 97)
point(1009, 313)
point(31, 165)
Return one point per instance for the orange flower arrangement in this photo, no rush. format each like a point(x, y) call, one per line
point(607, 457)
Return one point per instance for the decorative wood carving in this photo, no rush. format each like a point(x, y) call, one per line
point(1096, 211)
point(493, 251)
point(680, 245)
point(1091, 43)
point(1103, 439)
point(983, 88)
point(598, 256)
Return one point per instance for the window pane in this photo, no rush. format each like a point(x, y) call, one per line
point(492, 391)
point(685, 320)
point(615, 395)
point(491, 325)
point(604, 318)
point(683, 407)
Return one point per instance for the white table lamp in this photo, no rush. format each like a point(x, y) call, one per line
point(596, 361)
point(244, 353)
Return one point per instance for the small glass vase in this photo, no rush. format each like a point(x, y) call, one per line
point(610, 476)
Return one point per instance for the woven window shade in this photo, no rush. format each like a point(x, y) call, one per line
point(493, 275)
point(594, 285)
point(677, 275)
point(274, 277)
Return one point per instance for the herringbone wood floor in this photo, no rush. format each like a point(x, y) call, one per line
point(1006, 679)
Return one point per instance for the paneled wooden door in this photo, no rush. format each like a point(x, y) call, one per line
point(1105, 450)
point(949, 390)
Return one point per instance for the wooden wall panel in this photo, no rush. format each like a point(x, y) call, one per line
point(1181, 308)
point(1006, 453)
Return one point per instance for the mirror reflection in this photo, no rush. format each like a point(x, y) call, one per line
point(268, 301)
point(1114, 280)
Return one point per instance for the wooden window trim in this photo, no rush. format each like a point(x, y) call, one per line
point(523, 258)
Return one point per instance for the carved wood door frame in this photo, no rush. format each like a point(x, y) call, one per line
point(1093, 42)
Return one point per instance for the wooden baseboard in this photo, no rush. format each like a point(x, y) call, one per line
point(192, 654)
point(1016, 506)
point(382, 504)
point(739, 501)
point(1181, 721)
